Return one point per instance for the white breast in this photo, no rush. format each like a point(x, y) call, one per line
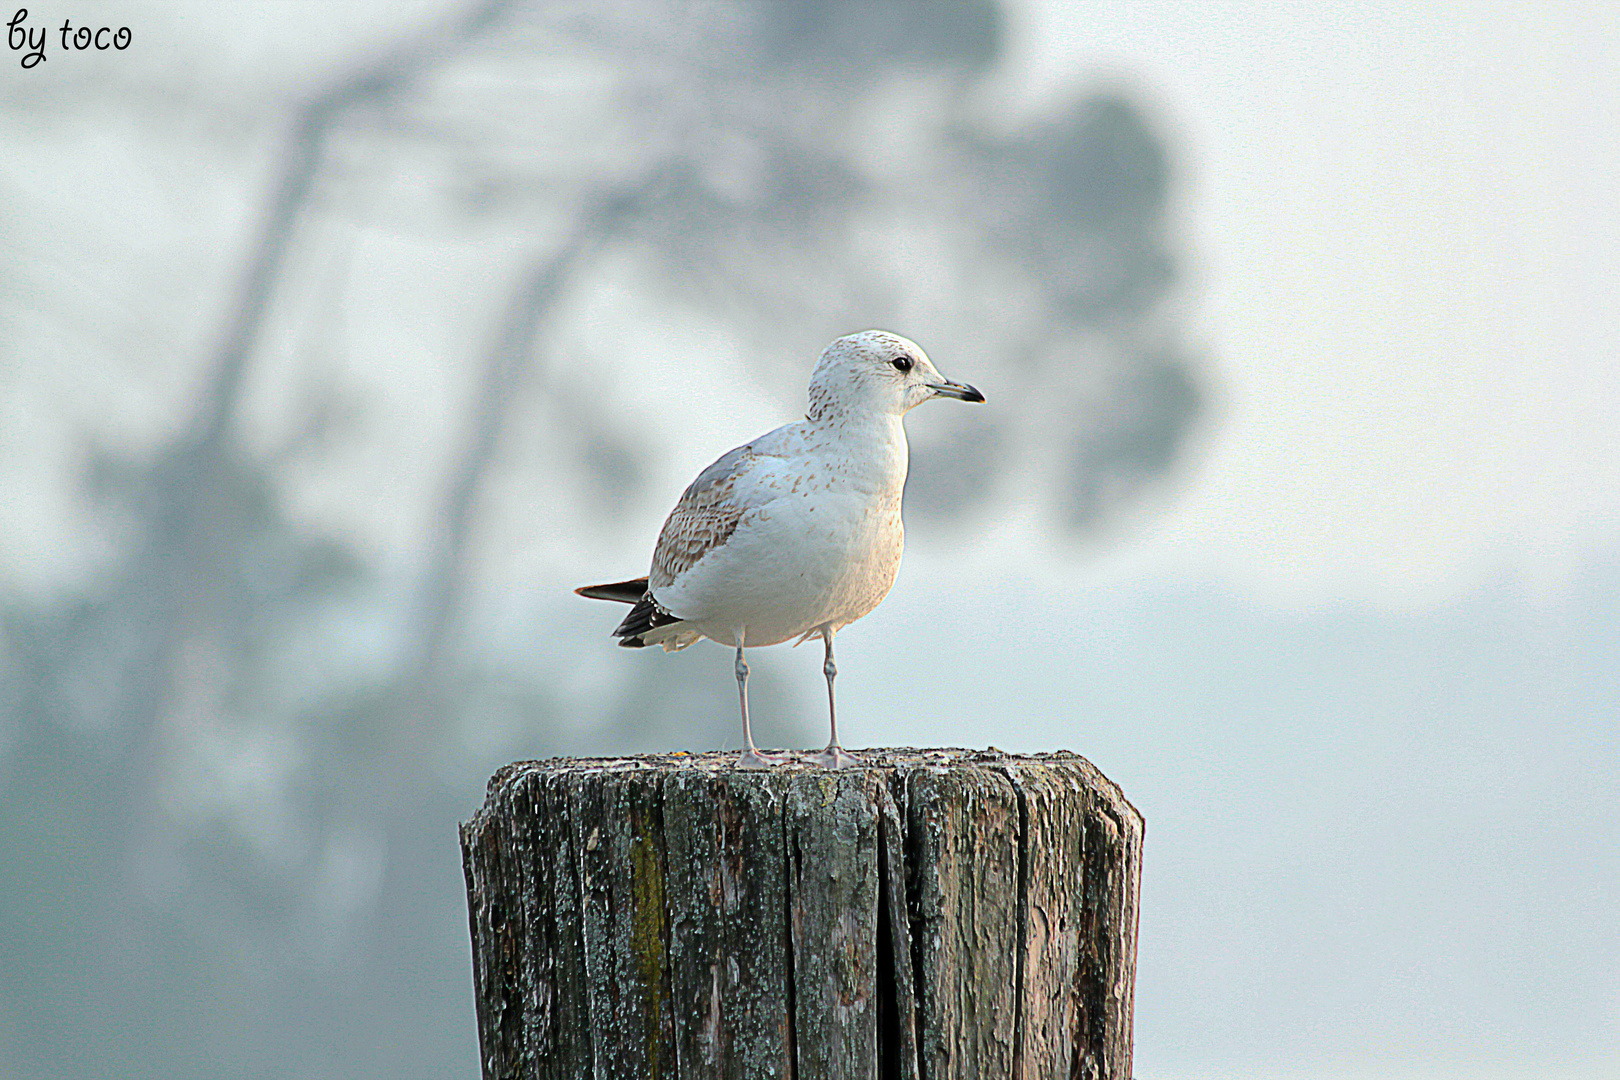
point(822, 549)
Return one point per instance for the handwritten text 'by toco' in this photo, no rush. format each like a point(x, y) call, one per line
point(31, 42)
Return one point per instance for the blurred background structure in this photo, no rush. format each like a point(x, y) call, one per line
point(337, 345)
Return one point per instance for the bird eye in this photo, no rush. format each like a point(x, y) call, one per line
point(902, 363)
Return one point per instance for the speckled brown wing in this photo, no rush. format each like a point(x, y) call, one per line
point(704, 519)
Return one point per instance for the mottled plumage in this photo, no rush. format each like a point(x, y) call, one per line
point(705, 518)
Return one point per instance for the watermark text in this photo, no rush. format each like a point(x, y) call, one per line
point(31, 41)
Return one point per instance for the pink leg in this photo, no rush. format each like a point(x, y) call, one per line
point(834, 757)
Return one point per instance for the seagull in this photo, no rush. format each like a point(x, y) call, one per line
point(796, 534)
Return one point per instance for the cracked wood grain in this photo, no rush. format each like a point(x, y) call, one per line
point(964, 846)
point(931, 915)
point(617, 832)
point(727, 898)
point(832, 844)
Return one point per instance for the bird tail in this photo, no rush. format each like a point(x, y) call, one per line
point(625, 592)
point(648, 622)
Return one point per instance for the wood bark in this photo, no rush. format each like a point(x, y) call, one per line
point(931, 915)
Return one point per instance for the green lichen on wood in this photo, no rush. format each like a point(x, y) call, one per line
point(648, 937)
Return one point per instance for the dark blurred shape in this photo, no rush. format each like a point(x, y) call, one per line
point(859, 39)
point(1134, 445)
point(1086, 200)
point(1101, 161)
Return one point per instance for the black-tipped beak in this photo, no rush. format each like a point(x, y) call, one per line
point(959, 391)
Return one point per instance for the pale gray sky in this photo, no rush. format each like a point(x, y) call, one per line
point(1406, 252)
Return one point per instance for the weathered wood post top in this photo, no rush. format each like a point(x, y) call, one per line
point(930, 915)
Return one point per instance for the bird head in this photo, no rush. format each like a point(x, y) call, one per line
point(877, 371)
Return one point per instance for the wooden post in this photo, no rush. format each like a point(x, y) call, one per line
point(933, 915)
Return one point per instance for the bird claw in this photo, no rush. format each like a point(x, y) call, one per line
point(835, 757)
point(753, 759)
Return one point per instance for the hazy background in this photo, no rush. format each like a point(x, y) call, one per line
point(338, 342)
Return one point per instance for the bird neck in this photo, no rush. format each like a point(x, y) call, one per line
point(878, 439)
point(848, 422)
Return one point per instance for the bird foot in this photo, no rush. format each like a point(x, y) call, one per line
point(835, 757)
point(754, 759)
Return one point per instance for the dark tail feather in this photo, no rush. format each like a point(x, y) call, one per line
point(645, 612)
point(625, 592)
point(646, 615)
